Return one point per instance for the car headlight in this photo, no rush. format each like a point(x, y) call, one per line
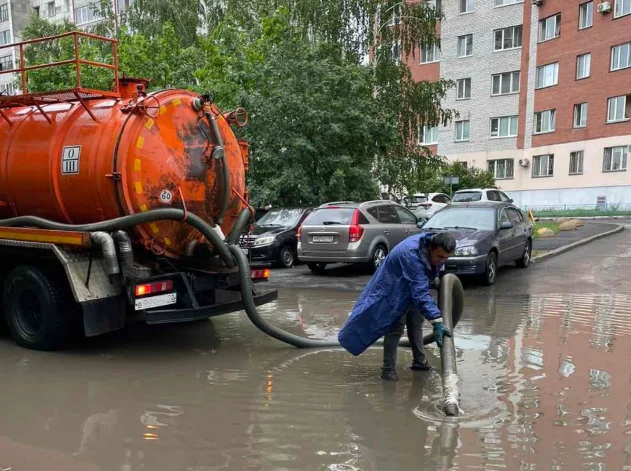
point(469, 251)
point(269, 240)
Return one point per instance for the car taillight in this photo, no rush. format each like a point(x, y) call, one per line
point(299, 233)
point(427, 205)
point(153, 288)
point(355, 231)
point(261, 274)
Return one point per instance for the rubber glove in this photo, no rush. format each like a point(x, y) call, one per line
point(439, 332)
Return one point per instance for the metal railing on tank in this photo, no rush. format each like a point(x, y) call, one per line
point(76, 92)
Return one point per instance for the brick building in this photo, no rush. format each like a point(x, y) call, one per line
point(544, 95)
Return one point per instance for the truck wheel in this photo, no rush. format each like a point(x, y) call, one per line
point(37, 309)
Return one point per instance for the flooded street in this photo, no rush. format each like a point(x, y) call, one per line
point(542, 358)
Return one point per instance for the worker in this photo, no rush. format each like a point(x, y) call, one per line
point(398, 294)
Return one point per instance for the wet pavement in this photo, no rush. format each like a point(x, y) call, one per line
point(564, 238)
point(542, 358)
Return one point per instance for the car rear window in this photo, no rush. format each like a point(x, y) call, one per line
point(330, 216)
point(466, 196)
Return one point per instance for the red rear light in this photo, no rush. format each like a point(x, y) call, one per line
point(299, 233)
point(262, 274)
point(355, 232)
point(154, 288)
point(427, 205)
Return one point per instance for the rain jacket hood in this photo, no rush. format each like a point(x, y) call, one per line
point(403, 279)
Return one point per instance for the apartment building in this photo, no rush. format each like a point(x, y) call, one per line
point(14, 16)
point(544, 96)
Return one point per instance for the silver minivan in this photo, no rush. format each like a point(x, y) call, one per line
point(354, 233)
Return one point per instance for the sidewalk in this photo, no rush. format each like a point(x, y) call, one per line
point(566, 240)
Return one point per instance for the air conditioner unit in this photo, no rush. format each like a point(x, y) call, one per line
point(604, 7)
point(537, 2)
point(524, 162)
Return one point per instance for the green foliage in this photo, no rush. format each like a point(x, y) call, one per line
point(324, 123)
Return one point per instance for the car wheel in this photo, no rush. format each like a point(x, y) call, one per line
point(378, 256)
point(317, 268)
point(490, 274)
point(286, 257)
point(37, 308)
point(524, 261)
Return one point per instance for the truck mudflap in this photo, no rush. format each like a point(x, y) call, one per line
point(227, 301)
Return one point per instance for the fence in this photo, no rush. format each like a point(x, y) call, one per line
point(569, 208)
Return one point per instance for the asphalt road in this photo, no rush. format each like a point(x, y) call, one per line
point(598, 267)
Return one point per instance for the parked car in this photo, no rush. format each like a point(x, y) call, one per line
point(488, 235)
point(433, 202)
point(273, 237)
point(480, 194)
point(354, 233)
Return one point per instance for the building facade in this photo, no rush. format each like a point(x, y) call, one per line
point(544, 96)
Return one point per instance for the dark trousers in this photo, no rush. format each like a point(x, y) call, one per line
point(413, 319)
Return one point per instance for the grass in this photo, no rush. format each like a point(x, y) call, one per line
point(577, 213)
point(553, 226)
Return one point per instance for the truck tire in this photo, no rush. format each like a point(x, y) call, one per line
point(37, 308)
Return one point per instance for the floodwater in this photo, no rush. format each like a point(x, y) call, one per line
point(545, 385)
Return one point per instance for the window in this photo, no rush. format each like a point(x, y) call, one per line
point(466, 6)
point(428, 135)
point(462, 131)
point(580, 115)
point(7, 89)
point(463, 89)
point(4, 12)
point(615, 159)
point(88, 14)
point(430, 54)
point(50, 9)
point(493, 196)
point(543, 165)
point(405, 216)
point(550, 28)
point(547, 75)
point(465, 45)
point(388, 215)
point(36, 11)
point(576, 162)
point(501, 169)
point(443, 199)
point(514, 216)
point(621, 56)
point(583, 66)
point(393, 52)
point(6, 63)
point(504, 84)
point(505, 126)
point(501, 3)
point(618, 108)
point(585, 15)
point(507, 38)
point(5, 37)
point(396, 15)
point(545, 121)
point(623, 7)
point(504, 198)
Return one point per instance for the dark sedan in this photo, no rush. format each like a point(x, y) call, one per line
point(273, 237)
point(488, 236)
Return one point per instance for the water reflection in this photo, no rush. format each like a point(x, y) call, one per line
point(545, 385)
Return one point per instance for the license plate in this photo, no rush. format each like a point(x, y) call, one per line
point(155, 301)
point(322, 239)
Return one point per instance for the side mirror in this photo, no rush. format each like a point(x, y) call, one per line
point(511, 200)
point(420, 222)
point(506, 225)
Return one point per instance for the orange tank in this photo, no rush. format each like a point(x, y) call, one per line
point(80, 168)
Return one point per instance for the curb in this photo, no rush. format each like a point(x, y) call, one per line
point(566, 248)
point(583, 218)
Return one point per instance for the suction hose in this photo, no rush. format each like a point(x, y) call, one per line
point(126, 222)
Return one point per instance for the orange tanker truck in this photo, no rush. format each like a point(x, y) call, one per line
point(119, 203)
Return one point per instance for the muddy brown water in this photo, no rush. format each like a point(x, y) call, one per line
point(545, 385)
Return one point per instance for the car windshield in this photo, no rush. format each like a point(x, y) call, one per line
point(465, 196)
point(281, 218)
point(419, 199)
point(330, 216)
point(482, 219)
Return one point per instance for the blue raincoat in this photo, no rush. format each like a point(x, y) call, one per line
point(403, 279)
